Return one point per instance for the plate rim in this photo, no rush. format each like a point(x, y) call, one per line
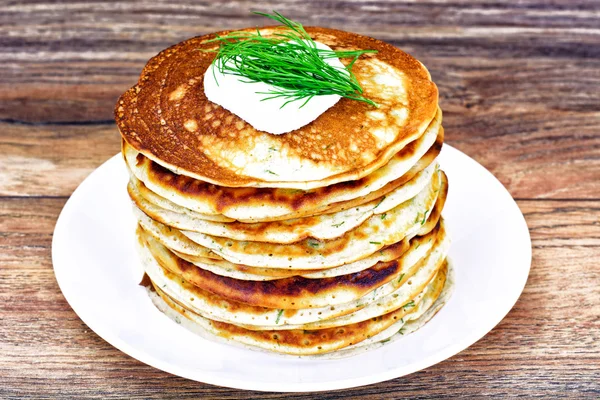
point(288, 387)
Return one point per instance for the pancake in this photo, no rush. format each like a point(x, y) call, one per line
point(269, 204)
point(196, 253)
point(244, 272)
point(374, 234)
point(322, 227)
point(297, 292)
point(199, 255)
point(388, 297)
point(172, 238)
point(302, 342)
point(167, 117)
point(436, 212)
point(138, 192)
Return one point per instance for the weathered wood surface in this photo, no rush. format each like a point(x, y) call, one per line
point(520, 88)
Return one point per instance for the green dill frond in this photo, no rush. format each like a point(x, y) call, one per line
point(290, 61)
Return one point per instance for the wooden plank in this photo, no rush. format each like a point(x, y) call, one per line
point(52, 160)
point(547, 345)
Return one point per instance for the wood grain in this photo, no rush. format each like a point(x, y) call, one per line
point(519, 84)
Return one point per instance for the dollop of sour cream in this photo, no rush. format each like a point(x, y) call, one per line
point(245, 99)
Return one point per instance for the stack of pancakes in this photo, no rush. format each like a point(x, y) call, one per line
point(325, 239)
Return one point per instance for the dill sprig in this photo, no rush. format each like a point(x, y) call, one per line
point(290, 61)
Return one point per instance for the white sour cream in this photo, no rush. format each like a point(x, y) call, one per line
point(242, 99)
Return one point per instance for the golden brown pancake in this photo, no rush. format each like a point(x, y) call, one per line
point(294, 292)
point(436, 213)
point(390, 296)
point(271, 204)
point(167, 117)
point(302, 341)
point(372, 235)
point(320, 227)
point(245, 272)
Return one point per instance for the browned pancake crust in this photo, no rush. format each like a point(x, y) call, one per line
point(318, 248)
point(302, 341)
point(290, 293)
point(154, 116)
point(436, 213)
point(304, 203)
point(394, 251)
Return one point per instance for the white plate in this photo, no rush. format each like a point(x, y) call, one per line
point(98, 272)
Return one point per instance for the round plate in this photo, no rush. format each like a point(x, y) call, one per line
point(96, 266)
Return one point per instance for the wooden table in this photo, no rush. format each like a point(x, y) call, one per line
point(520, 87)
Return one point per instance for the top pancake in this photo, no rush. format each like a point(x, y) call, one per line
point(168, 118)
